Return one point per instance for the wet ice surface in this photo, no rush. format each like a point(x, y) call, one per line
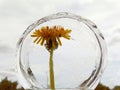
point(17, 15)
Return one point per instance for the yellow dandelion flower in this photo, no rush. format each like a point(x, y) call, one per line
point(50, 36)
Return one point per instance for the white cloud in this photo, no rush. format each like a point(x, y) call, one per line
point(16, 15)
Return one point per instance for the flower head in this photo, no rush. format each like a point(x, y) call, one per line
point(50, 36)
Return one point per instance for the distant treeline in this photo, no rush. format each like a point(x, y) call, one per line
point(6, 84)
point(103, 87)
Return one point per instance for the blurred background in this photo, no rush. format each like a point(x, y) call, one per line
point(16, 15)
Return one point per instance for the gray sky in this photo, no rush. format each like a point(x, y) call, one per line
point(16, 15)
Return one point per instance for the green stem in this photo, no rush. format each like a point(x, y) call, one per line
point(51, 71)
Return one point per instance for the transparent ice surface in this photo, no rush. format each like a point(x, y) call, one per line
point(78, 63)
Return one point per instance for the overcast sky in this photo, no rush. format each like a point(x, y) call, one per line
point(16, 15)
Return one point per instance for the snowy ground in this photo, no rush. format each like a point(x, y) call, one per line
point(16, 15)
